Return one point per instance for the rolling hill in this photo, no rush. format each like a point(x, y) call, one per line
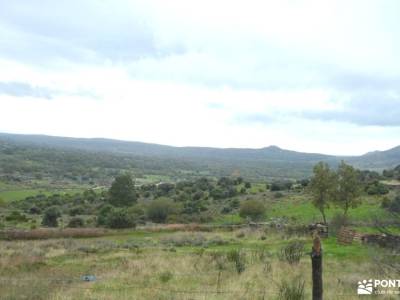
point(85, 157)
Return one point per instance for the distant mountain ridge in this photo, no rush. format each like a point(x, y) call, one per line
point(272, 158)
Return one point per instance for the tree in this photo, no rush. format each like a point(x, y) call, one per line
point(159, 210)
point(122, 191)
point(348, 188)
point(50, 217)
point(253, 209)
point(322, 187)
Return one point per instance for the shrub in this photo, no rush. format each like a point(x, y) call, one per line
point(292, 252)
point(77, 210)
point(16, 216)
point(165, 276)
point(50, 217)
point(120, 218)
point(253, 209)
point(76, 222)
point(338, 220)
point(138, 212)
point(377, 188)
point(280, 186)
point(158, 210)
point(102, 217)
point(394, 206)
point(385, 203)
point(291, 290)
point(34, 210)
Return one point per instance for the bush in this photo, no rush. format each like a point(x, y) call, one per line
point(385, 203)
point(338, 220)
point(253, 209)
point(16, 216)
point(165, 276)
point(34, 210)
point(292, 252)
point(77, 210)
point(102, 217)
point(394, 206)
point(159, 210)
point(377, 188)
point(76, 222)
point(280, 186)
point(50, 217)
point(120, 218)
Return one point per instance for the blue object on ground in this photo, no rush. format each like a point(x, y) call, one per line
point(88, 278)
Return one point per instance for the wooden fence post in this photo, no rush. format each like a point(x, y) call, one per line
point(316, 262)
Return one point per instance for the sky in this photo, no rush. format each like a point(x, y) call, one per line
point(313, 76)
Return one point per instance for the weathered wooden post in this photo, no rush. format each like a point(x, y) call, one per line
point(316, 262)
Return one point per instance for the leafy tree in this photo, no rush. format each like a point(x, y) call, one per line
point(158, 210)
point(348, 188)
point(253, 209)
point(50, 217)
point(322, 187)
point(247, 185)
point(122, 191)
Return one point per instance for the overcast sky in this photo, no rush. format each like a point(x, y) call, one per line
point(314, 76)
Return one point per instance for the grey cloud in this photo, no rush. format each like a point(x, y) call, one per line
point(365, 110)
point(349, 80)
point(20, 89)
point(39, 31)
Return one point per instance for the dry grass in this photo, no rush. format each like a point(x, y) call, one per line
point(51, 269)
point(49, 233)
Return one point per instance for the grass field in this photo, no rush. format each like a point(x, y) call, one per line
point(177, 265)
point(16, 193)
